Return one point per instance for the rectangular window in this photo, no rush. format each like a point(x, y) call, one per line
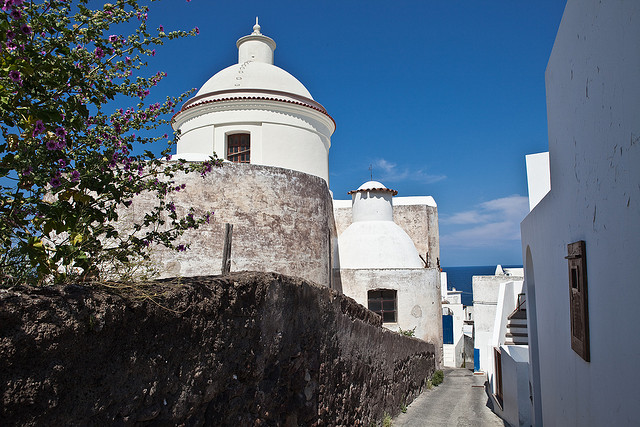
point(239, 148)
point(383, 302)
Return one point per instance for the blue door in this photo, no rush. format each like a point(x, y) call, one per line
point(447, 329)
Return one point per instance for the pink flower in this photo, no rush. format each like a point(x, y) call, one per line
point(25, 29)
point(113, 38)
point(197, 30)
point(99, 53)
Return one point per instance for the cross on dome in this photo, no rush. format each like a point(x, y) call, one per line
point(256, 28)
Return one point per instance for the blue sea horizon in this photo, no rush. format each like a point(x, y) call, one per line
point(461, 278)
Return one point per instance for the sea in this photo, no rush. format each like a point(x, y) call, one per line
point(460, 278)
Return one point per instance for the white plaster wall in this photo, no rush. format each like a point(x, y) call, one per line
point(507, 302)
point(455, 350)
point(372, 206)
point(443, 284)
point(486, 298)
point(282, 135)
point(515, 385)
point(418, 292)
point(377, 244)
point(593, 104)
point(538, 177)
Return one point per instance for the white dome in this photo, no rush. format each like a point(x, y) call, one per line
point(372, 185)
point(254, 75)
point(377, 244)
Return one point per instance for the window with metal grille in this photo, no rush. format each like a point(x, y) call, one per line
point(239, 148)
point(383, 302)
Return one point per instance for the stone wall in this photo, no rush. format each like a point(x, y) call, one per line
point(246, 349)
point(282, 222)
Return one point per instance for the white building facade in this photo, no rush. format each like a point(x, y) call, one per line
point(581, 242)
point(379, 266)
point(255, 112)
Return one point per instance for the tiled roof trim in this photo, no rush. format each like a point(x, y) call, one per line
point(262, 98)
point(373, 189)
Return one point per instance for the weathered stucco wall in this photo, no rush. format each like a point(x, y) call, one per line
point(282, 222)
point(421, 224)
point(418, 291)
point(246, 349)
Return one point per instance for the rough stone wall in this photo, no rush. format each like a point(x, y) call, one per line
point(246, 349)
point(419, 221)
point(282, 222)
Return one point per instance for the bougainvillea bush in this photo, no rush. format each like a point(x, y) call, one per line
point(67, 165)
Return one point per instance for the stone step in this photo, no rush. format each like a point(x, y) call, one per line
point(520, 341)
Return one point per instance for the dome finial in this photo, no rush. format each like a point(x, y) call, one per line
point(256, 28)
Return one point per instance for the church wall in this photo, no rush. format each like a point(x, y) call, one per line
point(282, 222)
point(294, 148)
point(418, 298)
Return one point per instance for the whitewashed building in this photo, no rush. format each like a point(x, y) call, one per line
point(379, 266)
point(255, 112)
point(274, 190)
point(581, 241)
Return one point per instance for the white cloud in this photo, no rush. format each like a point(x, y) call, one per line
point(491, 223)
point(386, 171)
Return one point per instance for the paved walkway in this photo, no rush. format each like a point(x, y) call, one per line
point(459, 401)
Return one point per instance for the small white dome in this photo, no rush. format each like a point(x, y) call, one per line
point(377, 244)
point(371, 185)
point(254, 75)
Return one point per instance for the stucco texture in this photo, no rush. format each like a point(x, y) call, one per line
point(282, 222)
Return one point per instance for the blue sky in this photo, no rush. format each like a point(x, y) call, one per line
point(443, 98)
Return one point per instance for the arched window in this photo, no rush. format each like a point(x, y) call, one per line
point(239, 148)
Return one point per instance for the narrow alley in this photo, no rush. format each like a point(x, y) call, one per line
point(460, 400)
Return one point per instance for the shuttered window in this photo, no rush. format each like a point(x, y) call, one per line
point(239, 148)
point(578, 301)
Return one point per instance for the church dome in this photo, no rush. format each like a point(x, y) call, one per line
point(377, 244)
point(254, 75)
point(373, 240)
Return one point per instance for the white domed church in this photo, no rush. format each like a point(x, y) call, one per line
point(255, 112)
point(381, 250)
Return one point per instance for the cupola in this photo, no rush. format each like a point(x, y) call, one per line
point(373, 240)
point(255, 112)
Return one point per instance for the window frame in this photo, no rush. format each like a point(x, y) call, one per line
point(381, 299)
point(234, 140)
